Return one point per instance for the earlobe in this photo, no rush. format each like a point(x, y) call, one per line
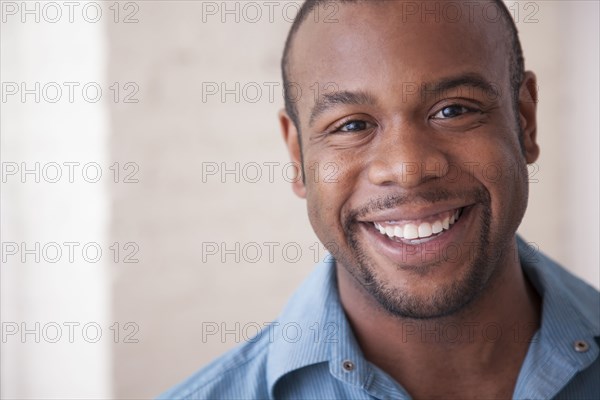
point(291, 139)
point(528, 98)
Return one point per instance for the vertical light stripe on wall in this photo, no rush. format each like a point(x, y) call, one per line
point(41, 295)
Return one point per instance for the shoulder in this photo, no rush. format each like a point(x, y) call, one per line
point(584, 297)
point(252, 369)
point(553, 280)
point(239, 373)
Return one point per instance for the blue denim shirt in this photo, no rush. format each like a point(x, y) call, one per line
point(310, 352)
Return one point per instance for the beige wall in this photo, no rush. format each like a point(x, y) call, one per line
point(176, 291)
point(563, 214)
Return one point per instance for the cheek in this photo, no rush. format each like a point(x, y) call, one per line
point(502, 170)
point(323, 206)
point(330, 183)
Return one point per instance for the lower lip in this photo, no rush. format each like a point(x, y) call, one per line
point(420, 253)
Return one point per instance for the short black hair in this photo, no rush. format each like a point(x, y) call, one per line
point(516, 61)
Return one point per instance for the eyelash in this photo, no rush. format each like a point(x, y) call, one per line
point(466, 109)
point(338, 128)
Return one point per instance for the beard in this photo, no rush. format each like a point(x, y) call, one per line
point(442, 301)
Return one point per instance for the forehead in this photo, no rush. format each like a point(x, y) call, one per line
point(386, 44)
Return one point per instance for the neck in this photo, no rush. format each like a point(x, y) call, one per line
point(488, 338)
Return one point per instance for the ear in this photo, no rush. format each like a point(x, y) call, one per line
point(290, 137)
point(528, 98)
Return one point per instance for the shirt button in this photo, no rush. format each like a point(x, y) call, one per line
point(581, 346)
point(348, 365)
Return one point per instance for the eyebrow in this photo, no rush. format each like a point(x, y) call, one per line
point(331, 100)
point(471, 79)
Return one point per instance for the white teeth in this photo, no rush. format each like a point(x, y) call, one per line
point(446, 223)
point(437, 227)
point(425, 230)
point(398, 232)
point(389, 230)
point(413, 231)
point(410, 231)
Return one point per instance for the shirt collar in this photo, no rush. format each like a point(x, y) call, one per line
point(570, 310)
point(298, 333)
point(324, 334)
point(560, 290)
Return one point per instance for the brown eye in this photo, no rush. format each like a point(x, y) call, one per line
point(354, 126)
point(452, 111)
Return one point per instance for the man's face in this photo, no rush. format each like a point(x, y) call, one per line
point(408, 128)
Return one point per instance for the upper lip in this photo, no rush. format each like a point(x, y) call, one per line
point(410, 213)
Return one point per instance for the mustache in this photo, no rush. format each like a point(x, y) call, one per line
point(391, 201)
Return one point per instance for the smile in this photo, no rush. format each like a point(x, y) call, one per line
point(419, 231)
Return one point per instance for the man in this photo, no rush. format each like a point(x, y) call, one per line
point(429, 122)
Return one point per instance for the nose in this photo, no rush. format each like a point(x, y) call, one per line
point(407, 157)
